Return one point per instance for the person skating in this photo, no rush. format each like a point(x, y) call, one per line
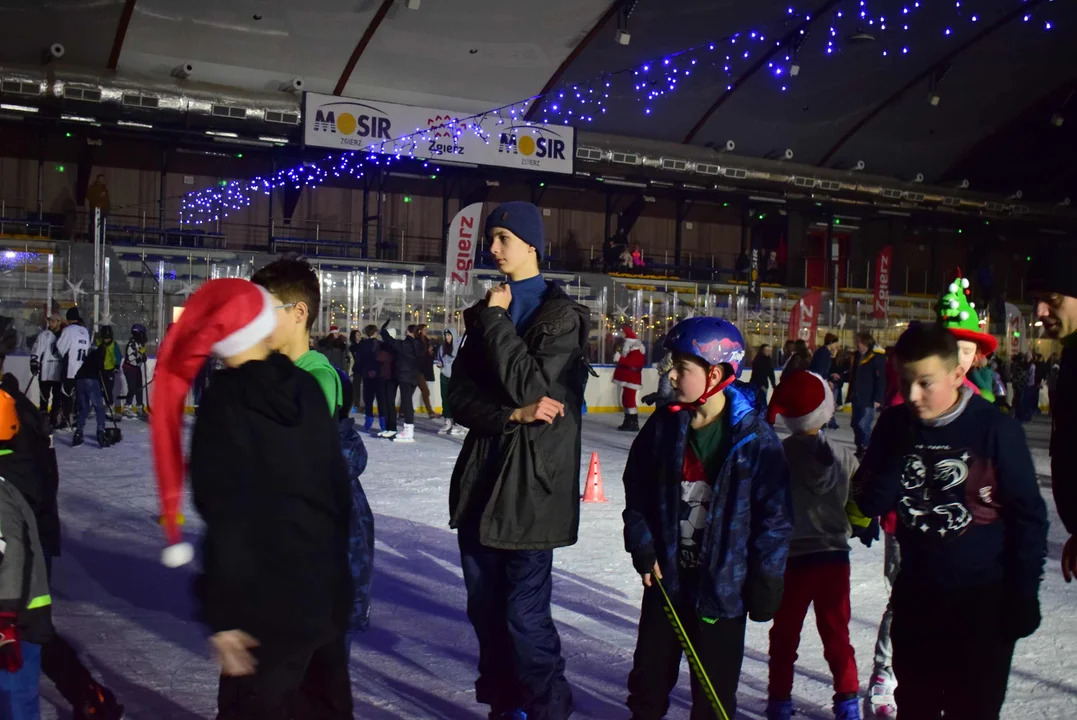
point(47, 365)
point(72, 346)
point(89, 387)
point(867, 387)
point(763, 370)
point(426, 367)
point(274, 589)
point(387, 387)
point(445, 358)
point(111, 363)
point(695, 474)
point(664, 394)
point(517, 384)
point(365, 367)
point(408, 354)
point(1054, 290)
point(817, 572)
point(134, 371)
point(296, 289)
point(628, 375)
point(972, 528)
point(334, 347)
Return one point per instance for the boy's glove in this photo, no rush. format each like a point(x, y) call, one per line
point(1020, 615)
point(650, 399)
point(865, 529)
point(10, 650)
point(764, 597)
point(643, 560)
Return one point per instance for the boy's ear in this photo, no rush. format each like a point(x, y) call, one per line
point(301, 312)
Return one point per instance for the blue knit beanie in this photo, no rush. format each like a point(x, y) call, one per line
point(522, 219)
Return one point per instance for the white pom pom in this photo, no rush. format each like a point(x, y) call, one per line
point(954, 304)
point(964, 315)
point(177, 555)
point(953, 287)
point(972, 305)
point(964, 282)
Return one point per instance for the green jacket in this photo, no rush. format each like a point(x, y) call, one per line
point(24, 583)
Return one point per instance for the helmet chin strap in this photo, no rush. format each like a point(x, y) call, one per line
point(708, 393)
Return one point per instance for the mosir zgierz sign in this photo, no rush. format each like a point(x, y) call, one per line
point(348, 124)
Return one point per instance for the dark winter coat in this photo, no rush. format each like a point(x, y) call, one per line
point(763, 372)
point(867, 384)
point(93, 367)
point(820, 363)
point(1063, 435)
point(750, 524)
point(426, 361)
point(269, 479)
point(519, 485)
point(336, 350)
point(407, 356)
point(31, 467)
point(365, 358)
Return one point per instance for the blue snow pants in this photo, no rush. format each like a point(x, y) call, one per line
point(20, 698)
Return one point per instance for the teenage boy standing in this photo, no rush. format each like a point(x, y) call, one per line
point(518, 383)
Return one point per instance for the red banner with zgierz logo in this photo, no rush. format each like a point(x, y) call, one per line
point(882, 282)
point(804, 318)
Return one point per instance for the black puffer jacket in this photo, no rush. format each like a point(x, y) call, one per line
point(407, 354)
point(1063, 432)
point(518, 486)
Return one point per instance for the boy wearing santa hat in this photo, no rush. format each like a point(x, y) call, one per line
point(629, 376)
point(817, 572)
point(274, 588)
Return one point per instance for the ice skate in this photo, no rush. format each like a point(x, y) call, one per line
point(847, 709)
point(458, 431)
point(446, 428)
point(102, 439)
point(387, 434)
point(100, 704)
point(77, 439)
point(880, 701)
point(407, 435)
point(780, 709)
point(129, 412)
point(368, 424)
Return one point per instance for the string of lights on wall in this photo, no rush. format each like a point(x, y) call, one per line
point(886, 23)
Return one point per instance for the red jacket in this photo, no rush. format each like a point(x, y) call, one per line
point(630, 362)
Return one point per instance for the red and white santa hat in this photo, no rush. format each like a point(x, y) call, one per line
point(804, 401)
point(632, 340)
point(224, 318)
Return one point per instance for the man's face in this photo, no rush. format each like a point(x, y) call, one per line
point(55, 324)
point(1057, 312)
point(833, 348)
point(930, 386)
point(861, 347)
point(510, 252)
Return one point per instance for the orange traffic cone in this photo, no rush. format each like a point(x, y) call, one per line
point(593, 491)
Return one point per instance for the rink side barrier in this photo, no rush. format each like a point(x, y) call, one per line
point(602, 395)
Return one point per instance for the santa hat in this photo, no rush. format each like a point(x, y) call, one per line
point(630, 333)
point(803, 399)
point(222, 319)
point(631, 342)
point(334, 328)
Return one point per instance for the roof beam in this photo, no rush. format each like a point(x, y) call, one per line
point(360, 47)
point(121, 33)
point(556, 77)
point(1022, 9)
point(778, 47)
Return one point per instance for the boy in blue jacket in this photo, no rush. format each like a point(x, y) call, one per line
point(972, 528)
point(708, 513)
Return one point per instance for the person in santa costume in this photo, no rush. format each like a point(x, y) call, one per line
point(629, 376)
point(270, 482)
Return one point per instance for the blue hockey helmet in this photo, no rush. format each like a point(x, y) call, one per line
point(714, 341)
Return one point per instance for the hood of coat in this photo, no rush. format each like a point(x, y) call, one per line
point(270, 388)
point(813, 459)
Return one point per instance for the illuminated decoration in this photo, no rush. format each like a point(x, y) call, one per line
point(884, 22)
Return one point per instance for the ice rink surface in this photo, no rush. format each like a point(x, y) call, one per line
point(131, 617)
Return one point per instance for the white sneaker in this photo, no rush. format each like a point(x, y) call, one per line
point(387, 434)
point(881, 702)
point(406, 435)
point(458, 431)
point(446, 428)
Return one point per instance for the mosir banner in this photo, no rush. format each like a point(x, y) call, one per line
point(348, 124)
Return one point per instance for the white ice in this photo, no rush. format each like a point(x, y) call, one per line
point(131, 617)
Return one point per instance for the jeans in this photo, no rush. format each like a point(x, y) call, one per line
point(89, 392)
point(20, 698)
point(863, 416)
point(891, 566)
point(508, 604)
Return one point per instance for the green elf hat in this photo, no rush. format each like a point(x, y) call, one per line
point(958, 315)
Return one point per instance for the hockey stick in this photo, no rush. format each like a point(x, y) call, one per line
point(690, 652)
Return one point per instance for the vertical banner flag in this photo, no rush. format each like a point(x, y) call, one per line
point(804, 319)
point(882, 282)
point(464, 231)
point(755, 292)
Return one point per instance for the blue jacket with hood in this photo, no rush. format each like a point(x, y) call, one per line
point(750, 521)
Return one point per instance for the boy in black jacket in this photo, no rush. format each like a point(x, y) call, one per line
point(275, 588)
point(517, 383)
point(972, 528)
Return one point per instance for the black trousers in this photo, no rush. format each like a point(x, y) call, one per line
point(387, 402)
point(950, 655)
point(108, 378)
point(407, 403)
point(67, 404)
point(508, 604)
point(291, 684)
point(370, 395)
point(134, 384)
point(50, 388)
point(656, 664)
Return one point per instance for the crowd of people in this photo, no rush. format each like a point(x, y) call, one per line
point(724, 522)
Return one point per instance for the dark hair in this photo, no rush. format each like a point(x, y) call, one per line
point(800, 347)
point(411, 329)
point(830, 338)
point(763, 347)
point(865, 337)
point(370, 330)
point(353, 337)
point(448, 344)
point(293, 281)
point(926, 340)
